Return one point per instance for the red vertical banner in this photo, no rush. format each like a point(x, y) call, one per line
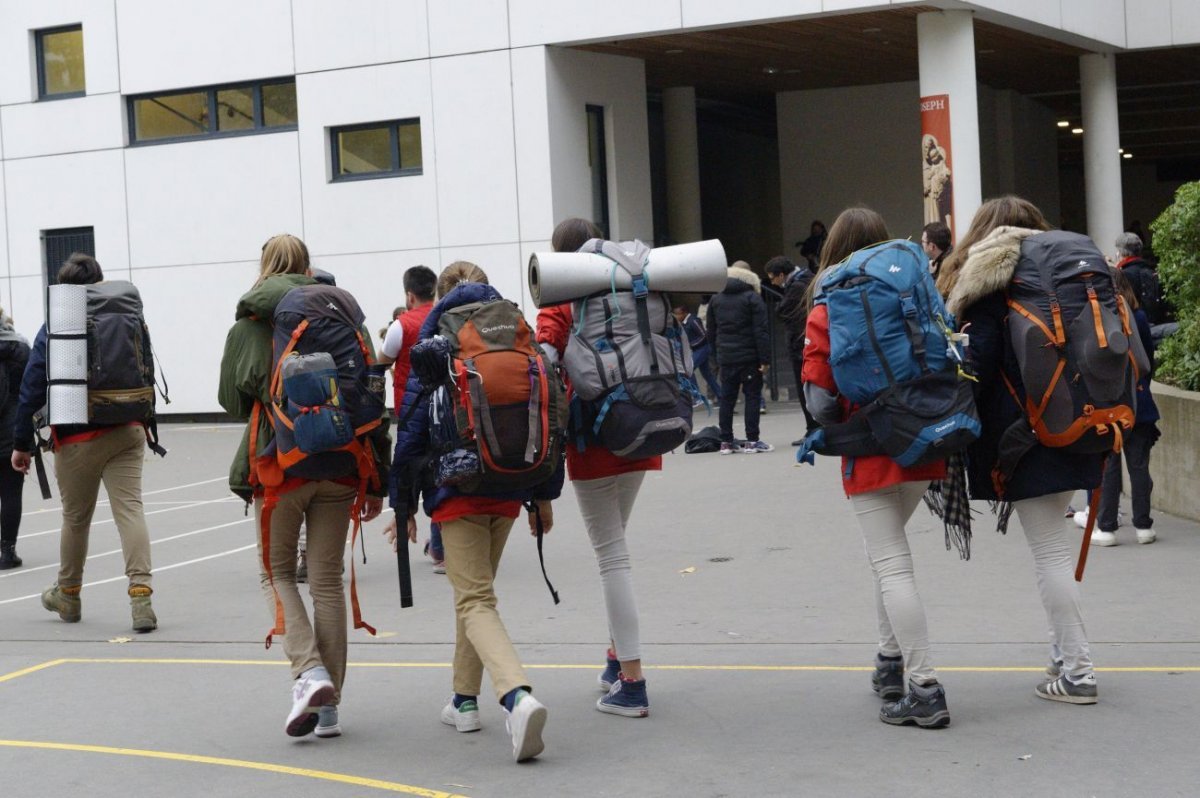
point(937, 171)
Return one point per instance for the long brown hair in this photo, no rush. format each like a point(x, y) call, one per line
point(1124, 287)
point(1007, 211)
point(852, 230)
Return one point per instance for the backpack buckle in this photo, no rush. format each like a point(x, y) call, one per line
point(640, 288)
point(908, 305)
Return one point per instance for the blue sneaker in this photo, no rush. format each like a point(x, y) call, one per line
point(627, 698)
point(755, 447)
point(611, 673)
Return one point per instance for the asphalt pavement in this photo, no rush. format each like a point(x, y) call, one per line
point(758, 627)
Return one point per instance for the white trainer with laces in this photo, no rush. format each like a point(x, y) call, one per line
point(313, 690)
point(1100, 538)
point(464, 717)
point(1146, 535)
point(525, 724)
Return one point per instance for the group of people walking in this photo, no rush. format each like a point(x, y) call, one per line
point(330, 488)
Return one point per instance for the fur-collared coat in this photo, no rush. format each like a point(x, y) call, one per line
point(737, 322)
point(978, 300)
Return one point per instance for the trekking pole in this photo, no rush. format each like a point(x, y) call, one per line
point(1093, 506)
point(402, 564)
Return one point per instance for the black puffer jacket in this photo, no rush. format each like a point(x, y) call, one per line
point(793, 309)
point(737, 322)
point(14, 354)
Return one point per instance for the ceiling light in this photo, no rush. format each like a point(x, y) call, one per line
point(1120, 149)
point(1127, 155)
point(673, 52)
point(1063, 123)
point(1076, 130)
point(770, 70)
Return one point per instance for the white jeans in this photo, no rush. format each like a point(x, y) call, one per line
point(1045, 530)
point(882, 515)
point(605, 504)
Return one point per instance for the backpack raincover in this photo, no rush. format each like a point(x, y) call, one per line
point(629, 363)
point(1077, 351)
point(894, 355)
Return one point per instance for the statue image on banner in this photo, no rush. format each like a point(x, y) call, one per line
point(937, 174)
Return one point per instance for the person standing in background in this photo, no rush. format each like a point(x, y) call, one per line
point(935, 240)
point(14, 354)
point(793, 312)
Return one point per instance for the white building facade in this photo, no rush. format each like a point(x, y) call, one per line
point(428, 131)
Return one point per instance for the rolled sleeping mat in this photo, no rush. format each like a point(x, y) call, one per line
point(66, 354)
point(695, 268)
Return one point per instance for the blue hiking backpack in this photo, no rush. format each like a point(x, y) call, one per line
point(894, 356)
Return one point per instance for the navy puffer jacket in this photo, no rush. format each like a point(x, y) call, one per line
point(411, 467)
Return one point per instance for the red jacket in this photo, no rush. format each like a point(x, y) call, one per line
point(554, 328)
point(865, 474)
point(410, 323)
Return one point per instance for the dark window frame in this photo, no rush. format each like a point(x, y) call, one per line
point(597, 112)
point(259, 128)
point(40, 55)
point(50, 271)
point(393, 127)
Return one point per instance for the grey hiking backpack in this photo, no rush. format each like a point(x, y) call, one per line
point(629, 364)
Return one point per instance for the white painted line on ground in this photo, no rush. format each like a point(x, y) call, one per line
point(157, 570)
point(110, 520)
point(19, 571)
point(145, 494)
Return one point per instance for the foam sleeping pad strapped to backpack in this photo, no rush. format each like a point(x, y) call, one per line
point(895, 357)
point(498, 410)
point(629, 363)
point(1077, 351)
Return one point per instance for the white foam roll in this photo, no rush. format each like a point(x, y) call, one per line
point(68, 404)
point(68, 309)
point(66, 359)
point(696, 268)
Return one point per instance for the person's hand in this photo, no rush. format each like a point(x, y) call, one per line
point(764, 368)
point(389, 533)
point(21, 461)
point(371, 508)
point(547, 511)
point(411, 528)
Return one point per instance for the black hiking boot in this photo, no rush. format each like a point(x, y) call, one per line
point(888, 679)
point(925, 705)
point(8, 556)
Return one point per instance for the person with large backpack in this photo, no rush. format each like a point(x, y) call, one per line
point(883, 493)
point(606, 486)
point(1052, 347)
point(480, 434)
point(314, 452)
point(108, 448)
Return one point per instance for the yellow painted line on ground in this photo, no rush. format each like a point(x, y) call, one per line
point(323, 775)
point(33, 669)
point(547, 666)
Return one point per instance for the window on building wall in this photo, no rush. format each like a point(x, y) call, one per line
point(213, 111)
point(598, 164)
point(58, 245)
point(60, 62)
point(376, 149)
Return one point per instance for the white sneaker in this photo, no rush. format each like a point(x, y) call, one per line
point(464, 717)
point(1103, 538)
point(1146, 535)
point(525, 724)
point(1081, 519)
point(312, 690)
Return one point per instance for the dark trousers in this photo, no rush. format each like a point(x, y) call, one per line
point(810, 423)
point(749, 379)
point(11, 484)
point(1137, 445)
point(702, 363)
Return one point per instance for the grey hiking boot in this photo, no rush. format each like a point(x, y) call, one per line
point(1067, 691)
point(144, 619)
point(888, 678)
point(925, 705)
point(68, 606)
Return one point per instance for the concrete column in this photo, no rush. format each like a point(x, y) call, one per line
point(683, 164)
point(946, 59)
point(1101, 145)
